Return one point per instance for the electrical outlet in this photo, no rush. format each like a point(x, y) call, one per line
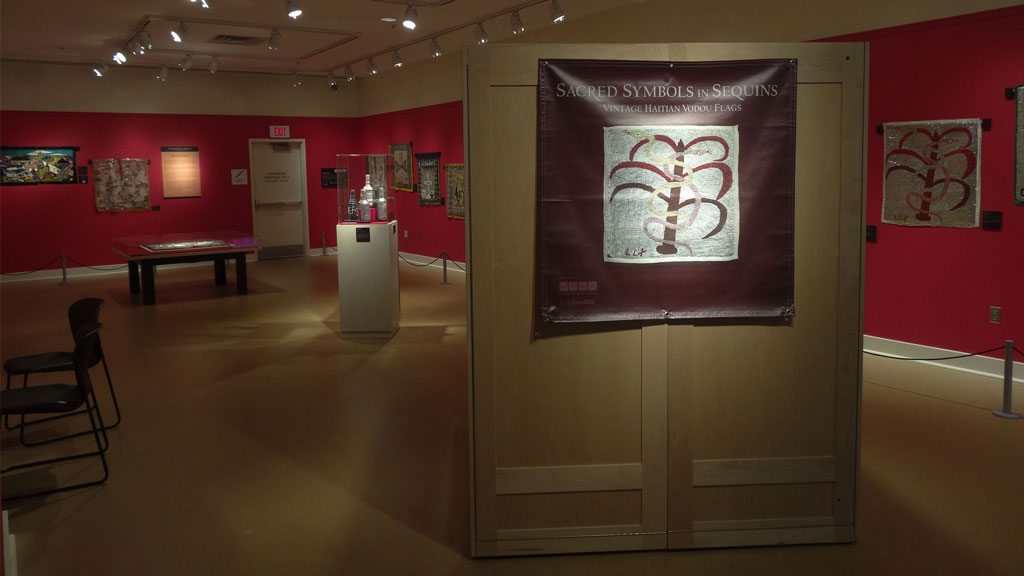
point(995, 314)
point(405, 233)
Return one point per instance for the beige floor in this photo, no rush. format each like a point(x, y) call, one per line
point(256, 441)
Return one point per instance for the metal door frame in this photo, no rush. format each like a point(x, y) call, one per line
point(305, 190)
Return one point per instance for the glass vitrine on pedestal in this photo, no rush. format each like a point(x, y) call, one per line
point(368, 295)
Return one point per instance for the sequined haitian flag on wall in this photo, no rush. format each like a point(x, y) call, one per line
point(666, 191)
point(931, 173)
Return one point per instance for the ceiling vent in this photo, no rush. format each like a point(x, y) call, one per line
point(237, 40)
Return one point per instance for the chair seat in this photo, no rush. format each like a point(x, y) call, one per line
point(45, 399)
point(37, 363)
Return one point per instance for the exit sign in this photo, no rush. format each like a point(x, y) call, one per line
point(279, 132)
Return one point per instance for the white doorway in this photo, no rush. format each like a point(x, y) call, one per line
point(279, 213)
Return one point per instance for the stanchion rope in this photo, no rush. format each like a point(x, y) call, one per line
point(943, 358)
point(43, 267)
point(116, 266)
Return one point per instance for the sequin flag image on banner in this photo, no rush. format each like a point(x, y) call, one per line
point(931, 173)
point(666, 190)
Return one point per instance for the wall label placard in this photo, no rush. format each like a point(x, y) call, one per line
point(180, 166)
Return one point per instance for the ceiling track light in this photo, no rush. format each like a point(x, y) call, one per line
point(435, 48)
point(161, 74)
point(332, 82)
point(119, 57)
point(296, 81)
point(370, 66)
point(557, 15)
point(136, 46)
point(214, 65)
point(349, 75)
point(481, 34)
point(178, 34)
point(517, 23)
point(293, 9)
point(396, 59)
point(205, 3)
point(186, 63)
point(145, 39)
point(100, 70)
point(274, 42)
point(409, 20)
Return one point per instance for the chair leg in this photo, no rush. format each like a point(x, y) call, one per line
point(96, 430)
point(113, 396)
point(7, 417)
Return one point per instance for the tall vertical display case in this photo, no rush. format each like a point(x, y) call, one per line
point(368, 287)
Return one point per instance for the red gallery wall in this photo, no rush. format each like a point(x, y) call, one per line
point(38, 223)
point(934, 286)
point(430, 129)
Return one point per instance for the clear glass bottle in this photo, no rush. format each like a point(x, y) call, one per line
point(382, 205)
point(366, 206)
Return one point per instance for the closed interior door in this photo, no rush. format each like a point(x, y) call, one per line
point(279, 197)
point(664, 435)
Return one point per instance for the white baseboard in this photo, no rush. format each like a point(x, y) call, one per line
point(982, 365)
point(454, 267)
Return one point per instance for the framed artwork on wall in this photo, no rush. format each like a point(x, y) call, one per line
point(455, 190)
point(377, 169)
point(120, 185)
point(23, 166)
point(428, 172)
point(403, 165)
point(932, 173)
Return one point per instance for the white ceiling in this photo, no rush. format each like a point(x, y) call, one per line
point(329, 35)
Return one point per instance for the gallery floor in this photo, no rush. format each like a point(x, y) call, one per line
point(256, 441)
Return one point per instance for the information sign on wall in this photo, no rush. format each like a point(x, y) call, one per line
point(180, 165)
point(666, 190)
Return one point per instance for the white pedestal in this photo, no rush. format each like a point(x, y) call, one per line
point(368, 279)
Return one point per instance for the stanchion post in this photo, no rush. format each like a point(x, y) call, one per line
point(323, 242)
point(63, 268)
point(444, 266)
point(1007, 411)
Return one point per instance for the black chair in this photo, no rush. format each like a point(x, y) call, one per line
point(62, 399)
point(80, 313)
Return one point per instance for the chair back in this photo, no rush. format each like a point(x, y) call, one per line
point(86, 339)
point(82, 312)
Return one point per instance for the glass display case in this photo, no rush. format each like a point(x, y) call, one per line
point(366, 188)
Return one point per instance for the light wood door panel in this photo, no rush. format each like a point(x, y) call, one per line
point(662, 435)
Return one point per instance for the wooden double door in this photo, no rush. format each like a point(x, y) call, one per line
point(664, 435)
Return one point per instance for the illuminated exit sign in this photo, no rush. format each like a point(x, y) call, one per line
point(279, 132)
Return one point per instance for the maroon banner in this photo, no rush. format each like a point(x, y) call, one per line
point(665, 191)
